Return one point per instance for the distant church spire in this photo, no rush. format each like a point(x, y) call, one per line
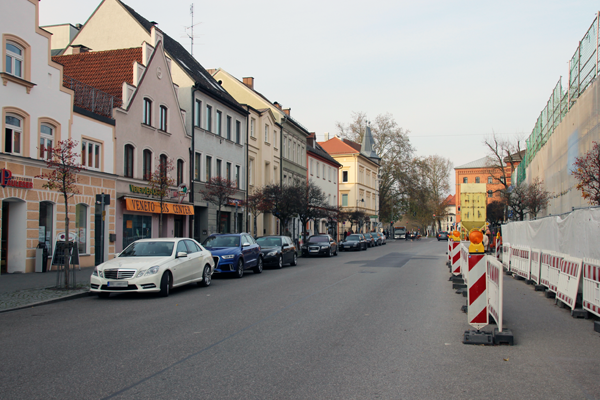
point(367, 147)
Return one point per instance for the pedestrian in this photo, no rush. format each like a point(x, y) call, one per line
point(486, 242)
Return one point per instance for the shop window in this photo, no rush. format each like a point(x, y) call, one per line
point(147, 164)
point(13, 134)
point(15, 56)
point(136, 227)
point(128, 161)
point(81, 226)
point(90, 154)
point(46, 141)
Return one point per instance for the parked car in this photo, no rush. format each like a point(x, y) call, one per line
point(376, 238)
point(411, 235)
point(383, 238)
point(355, 241)
point(236, 252)
point(154, 265)
point(370, 240)
point(442, 235)
point(277, 250)
point(320, 245)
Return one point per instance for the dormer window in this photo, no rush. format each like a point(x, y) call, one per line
point(147, 112)
point(14, 59)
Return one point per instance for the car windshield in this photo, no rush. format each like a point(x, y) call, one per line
point(269, 241)
point(317, 239)
point(221, 241)
point(353, 237)
point(148, 249)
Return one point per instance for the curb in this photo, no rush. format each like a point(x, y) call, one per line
point(41, 303)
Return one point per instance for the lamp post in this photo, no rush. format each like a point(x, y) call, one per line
point(360, 223)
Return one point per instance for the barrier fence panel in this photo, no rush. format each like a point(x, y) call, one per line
point(464, 262)
point(514, 259)
point(568, 280)
point(450, 251)
point(455, 258)
point(535, 266)
point(544, 268)
point(554, 271)
point(477, 312)
point(495, 289)
point(506, 256)
point(524, 261)
point(591, 285)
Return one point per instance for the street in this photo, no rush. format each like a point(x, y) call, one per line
point(376, 324)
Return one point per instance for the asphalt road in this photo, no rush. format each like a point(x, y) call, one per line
point(380, 324)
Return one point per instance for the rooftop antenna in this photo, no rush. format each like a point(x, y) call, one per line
point(191, 28)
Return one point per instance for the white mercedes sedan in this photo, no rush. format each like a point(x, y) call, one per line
point(154, 265)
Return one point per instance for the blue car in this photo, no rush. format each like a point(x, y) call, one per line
point(236, 252)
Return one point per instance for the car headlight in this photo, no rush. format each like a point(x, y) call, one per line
point(228, 257)
point(149, 271)
point(98, 272)
point(271, 254)
point(324, 246)
point(355, 244)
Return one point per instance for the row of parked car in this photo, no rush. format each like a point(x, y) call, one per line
point(159, 265)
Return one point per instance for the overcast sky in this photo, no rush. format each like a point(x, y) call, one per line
point(451, 72)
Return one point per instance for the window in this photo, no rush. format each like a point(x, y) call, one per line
point(251, 172)
point(275, 138)
point(163, 119)
point(46, 140)
point(14, 59)
point(228, 172)
point(490, 180)
point(490, 194)
point(465, 180)
point(228, 127)
point(344, 176)
point(252, 123)
point(323, 171)
point(13, 134)
point(147, 112)
point(128, 161)
point(238, 130)
point(208, 168)
point(237, 176)
point(81, 227)
point(197, 162)
point(147, 165)
point(318, 167)
point(46, 223)
point(476, 179)
point(219, 162)
point(266, 133)
point(284, 147)
point(344, 200)
point(197, 113)
point(90, 154)
point(163, 163)
point(208, 118)
point(179, 172)
point(219, 118)
point(294, 153)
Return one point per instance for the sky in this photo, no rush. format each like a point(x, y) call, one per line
point(451, 72)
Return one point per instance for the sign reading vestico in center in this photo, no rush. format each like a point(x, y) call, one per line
point(154, 207)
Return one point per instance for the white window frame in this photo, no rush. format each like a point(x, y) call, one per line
point(267, 133)
point(16, 131)
point(252, 124)
point(163, 118)
point(13, 58)
point(96, 147)
point(46, 141)
point(147, 111)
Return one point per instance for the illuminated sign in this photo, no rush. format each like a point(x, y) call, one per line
point(154, 207)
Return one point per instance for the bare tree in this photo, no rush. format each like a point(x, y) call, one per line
point(495, 212)
point(160, 183)
point(537, 197)
point(587, 173)
point(217, 191)
point(503, 158)
point(312, 205)
point(63, 178)
point(255, 204)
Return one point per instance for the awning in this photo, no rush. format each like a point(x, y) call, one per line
point(154, 207)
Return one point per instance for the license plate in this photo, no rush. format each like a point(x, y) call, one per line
point(117, 284)
point(313, 251)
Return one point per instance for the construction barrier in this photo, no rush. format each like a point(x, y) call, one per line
point(495, 289)
point(506, 256)
point(568, 280)
point(450, 252)
point(554, 271)
point(591, 285)
point(544, 268)
point(477, 300)
point(464, 262)
point(534, 270)
point(455, 257)
point(514, 259)
point(524, 261)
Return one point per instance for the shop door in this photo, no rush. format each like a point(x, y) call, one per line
point(4, 247)
point(178, 226)
point(225, 223)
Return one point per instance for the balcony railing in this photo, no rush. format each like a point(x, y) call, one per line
point(90, 98)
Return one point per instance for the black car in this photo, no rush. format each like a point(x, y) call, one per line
point(376, 239)
point(411, 235)
point(370, 240)
point(278, 250)
point(320, 245)
point(355, 241)
point(442, 236)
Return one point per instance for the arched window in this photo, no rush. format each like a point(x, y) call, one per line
point(163, 119)
point(13, 134)
point(46, 141)
point(128, 161)
point(14, 59)
point(147, 161)
point(81, 218)
point(147, 111)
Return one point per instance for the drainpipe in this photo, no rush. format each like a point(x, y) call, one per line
point(192, 160)
point(246, 216)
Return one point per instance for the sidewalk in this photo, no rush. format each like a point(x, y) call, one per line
point(26, 290)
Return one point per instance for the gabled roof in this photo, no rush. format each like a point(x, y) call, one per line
point(318, 150)
point(103, 70)
point(450, 200)
point(182, 57)
point(353, 144)
point(336, 146)
point(480, 163)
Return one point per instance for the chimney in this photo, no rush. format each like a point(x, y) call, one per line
point(287, 111)
point(311, 139)
point(276, 104)
point(79, 48)
point(249, 81)
point(326, 135)
point(211, 71)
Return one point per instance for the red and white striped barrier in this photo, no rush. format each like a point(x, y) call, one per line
point(464, 262)
point(534, 270)
point(449, 261)
point(477, 313)
point(514, 259)
point(568, 280)
point(455, 257)
point(591, 285)
point(524, 261)
point(495, 289)
point(554, 271)
point(506, 256)
point(545, 267)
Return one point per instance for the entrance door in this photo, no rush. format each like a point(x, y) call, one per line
point(225, 223)
point(13, 243)
point(4, 246)
point(178, 226)
point(99, 243)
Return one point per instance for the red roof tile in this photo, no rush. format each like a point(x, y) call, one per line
point(450, 200)
point(337, 146)
point(103, 70)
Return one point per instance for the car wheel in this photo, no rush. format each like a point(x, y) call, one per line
point(259, 266)
point(280, 262)
point(103, 295)
point(336, 252)
point(206, 278)
point(329, 254)
point(165, 285)
point(295, 260)
point(239, 272)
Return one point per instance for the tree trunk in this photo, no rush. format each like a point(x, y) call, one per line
point(160, 219)
point(254, 229)
point(67, 257)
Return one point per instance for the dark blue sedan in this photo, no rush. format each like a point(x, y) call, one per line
point(236, 252)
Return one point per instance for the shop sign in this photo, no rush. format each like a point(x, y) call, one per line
point(7, 179)
point(234, 202)
point(180, 193)
point(154, 207)
point(143, 190)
